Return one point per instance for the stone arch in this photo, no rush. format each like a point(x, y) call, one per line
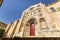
point(42, 19)
point(30, 27)
point(43, 24)
point(31, 21)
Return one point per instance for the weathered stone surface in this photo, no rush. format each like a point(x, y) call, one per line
point(46, 21)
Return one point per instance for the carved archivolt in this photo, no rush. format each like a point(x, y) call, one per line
point(31, 21)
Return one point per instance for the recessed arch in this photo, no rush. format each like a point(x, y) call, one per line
point(42, 19)
point(31, 22)
point(43, 24)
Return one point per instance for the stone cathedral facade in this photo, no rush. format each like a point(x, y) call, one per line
point(38, 20)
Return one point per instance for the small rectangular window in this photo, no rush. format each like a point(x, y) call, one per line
point(52, 9)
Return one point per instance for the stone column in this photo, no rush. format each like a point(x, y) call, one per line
point(37, 26)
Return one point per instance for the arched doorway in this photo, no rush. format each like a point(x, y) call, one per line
point(31, 22)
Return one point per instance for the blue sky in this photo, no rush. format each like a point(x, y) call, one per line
point(11, 10)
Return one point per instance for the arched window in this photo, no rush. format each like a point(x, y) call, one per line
point(43, 24)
